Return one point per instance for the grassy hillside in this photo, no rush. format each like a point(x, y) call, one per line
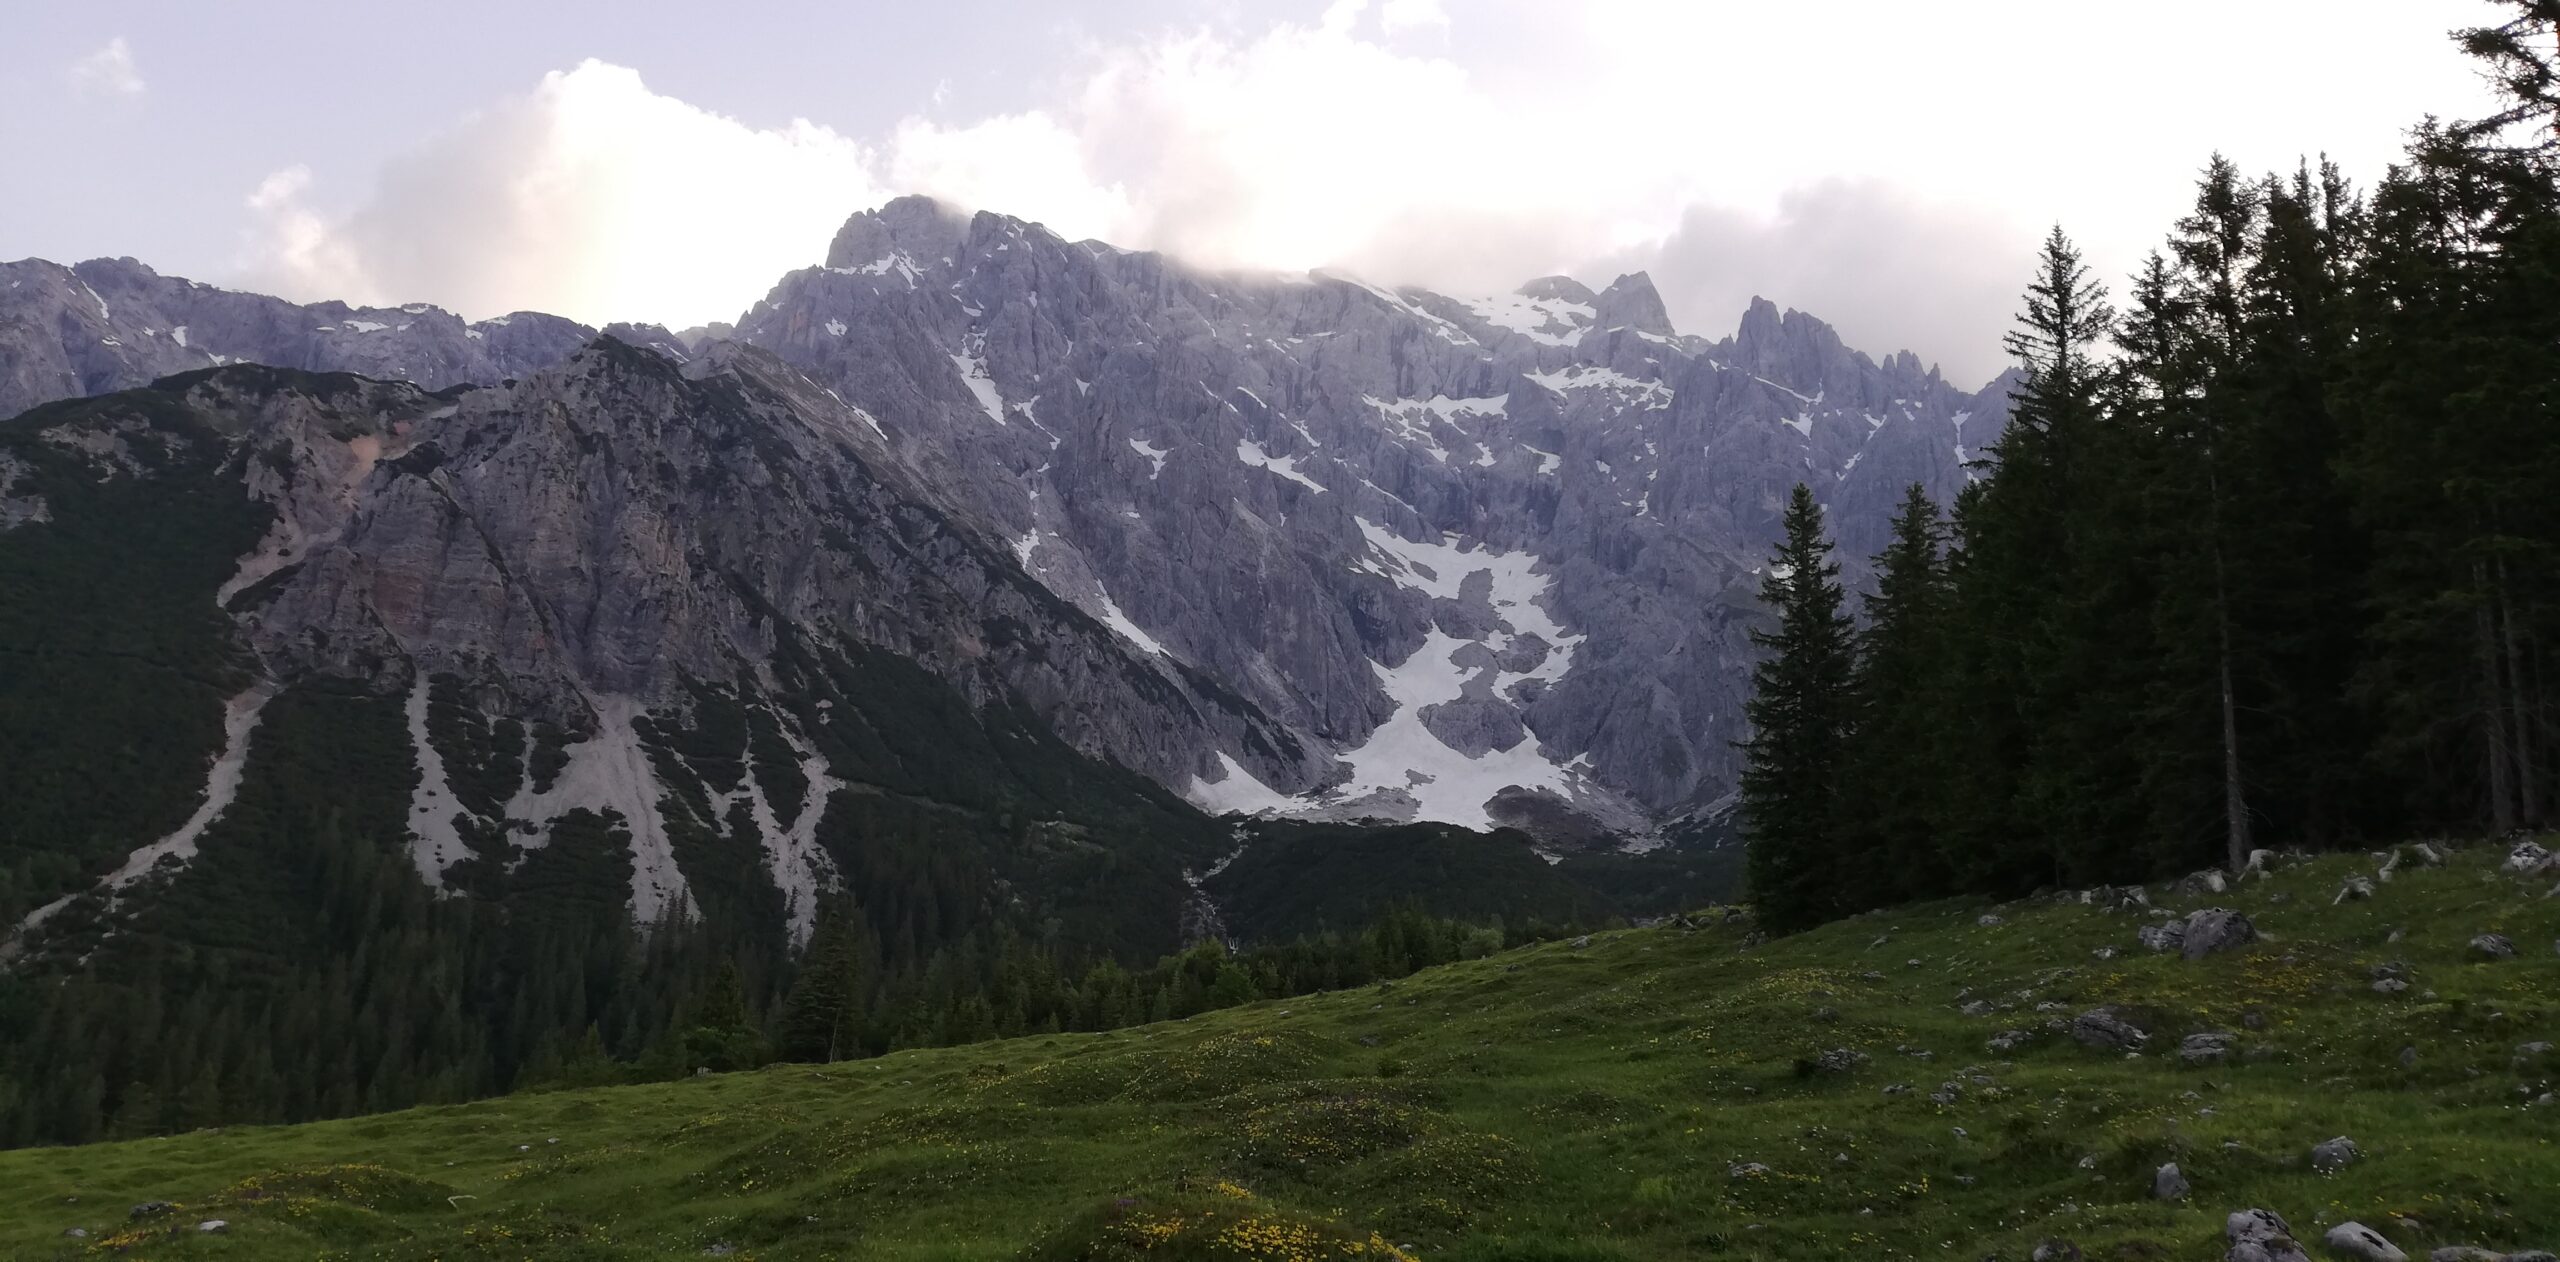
point(1654, 1093)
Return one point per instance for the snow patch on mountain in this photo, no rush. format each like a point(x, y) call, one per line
point(1237, 792)
point(610, 772)
point(1546, 321)
point(221, 784)
point(435, 841)
point(1251, 452)
point(1633, 391)
point(982, 387)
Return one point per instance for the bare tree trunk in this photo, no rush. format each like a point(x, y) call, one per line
point(2235, 798)
point(2520, 707)
point(2235, 801)
point(2502, 808)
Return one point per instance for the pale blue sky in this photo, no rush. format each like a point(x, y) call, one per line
point(1883, 164)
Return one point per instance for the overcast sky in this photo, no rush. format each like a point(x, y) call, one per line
point(1886, 165)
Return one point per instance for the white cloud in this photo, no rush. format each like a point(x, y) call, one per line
point(107, 72)
point(591, 197)
point(1397, 16)
point(1888, 269)
point(1893, 182)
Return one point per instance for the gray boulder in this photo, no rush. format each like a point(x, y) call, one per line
point(2492, 946)
point(2168, 1184)
point(2355, 1240)
point(2210, 1047)
point(2163, 937)
point(2214, 930)
point(2105, 1029)
point(2261, 1235)
point(2332, 1155)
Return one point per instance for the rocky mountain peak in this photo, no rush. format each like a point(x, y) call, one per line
point(1631, 302)
point(917, 227)
point(1792, 347)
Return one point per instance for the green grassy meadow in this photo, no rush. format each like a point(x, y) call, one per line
point(1656, 1093)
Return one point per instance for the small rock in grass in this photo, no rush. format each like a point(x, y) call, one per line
point(212, 1225)
point(2356, 1240)
point(2525, 859)
point(1747, 1170)
point(2331, 1156)
point(2168, 1184)
point(2260, 1235)
point(2010, 1040)
point(151, 1209)
point(1841, 1060)
point(2409, 1057)
point(2168, 937)
point(2527, 1053)
point(1991, 920)
point(2055, 1251)
point(2390, 986)
point(2209, 1047)
point(2256, 1224)
point(77, 1233)
point(2105, 953)
point(2355, 888)
point(2216, 929)
point(2106, 1030)
point(2492, 946)
point(1977, 1008)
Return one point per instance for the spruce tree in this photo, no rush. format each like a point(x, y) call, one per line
point(1899, 753)
point(1799, 711)
point(822, 1018)
point(2020, 649)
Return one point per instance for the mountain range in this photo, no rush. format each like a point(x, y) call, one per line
point(964, 500)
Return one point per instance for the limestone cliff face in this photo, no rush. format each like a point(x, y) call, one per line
point(1498, 555)
point(602, 549)
point(1297, 542)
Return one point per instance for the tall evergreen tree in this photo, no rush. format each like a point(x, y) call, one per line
point(1800, 707)
point(1899, 759)
point(823, 1016)
point(2016, 640)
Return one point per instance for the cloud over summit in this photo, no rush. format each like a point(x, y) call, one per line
point(1727, 150)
